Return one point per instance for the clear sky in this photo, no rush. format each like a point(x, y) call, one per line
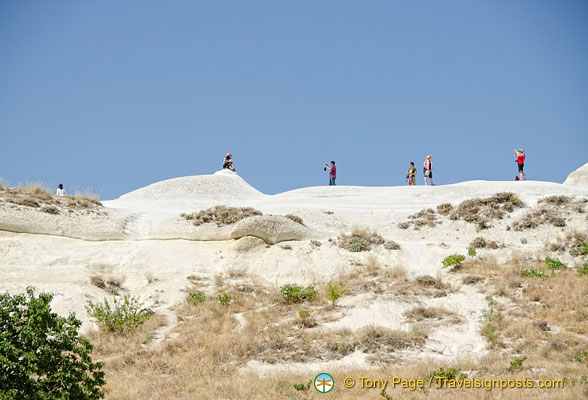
point(115, 95)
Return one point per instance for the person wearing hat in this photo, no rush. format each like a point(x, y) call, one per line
point(228, 163)
point(520, 159)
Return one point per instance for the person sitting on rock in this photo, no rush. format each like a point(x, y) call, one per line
point(60, 190)
point(228, 163)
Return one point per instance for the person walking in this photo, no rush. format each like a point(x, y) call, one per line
point(332, 173)
point(228, 163)
point(411, 174)
point(520, 159)
point(60, 190)
point(428, 170)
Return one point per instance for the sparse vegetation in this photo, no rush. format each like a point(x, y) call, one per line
point(532, 273)
point(304, 387)
point(482, 211)
point(554, 264)
point(425, 217)
point(297, 294)
point(549, 210)
point(124, 314)
point(315, 243)
point(444, 209)
point(452, 260)
point(478, 243)
point(197, 297)
point(295, 218)
point(224, 299)
point(36, 195)
point(516, 364)
point(445, 374)
point(221, 215)
point(493, 318)
point(335, 292)
point(472, 251)
point(421, 313)
point(363, 240)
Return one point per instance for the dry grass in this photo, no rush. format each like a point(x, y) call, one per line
point(208, 357)
point(221, 215)
point(551, 210)
point(363, 240)
point(482, 211)
point(37, 196)
point(426, 217)
point(420, 313)
point(294, 218)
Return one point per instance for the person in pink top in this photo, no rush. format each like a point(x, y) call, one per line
point(520, 159)
point(428, 170)
point(332, 173)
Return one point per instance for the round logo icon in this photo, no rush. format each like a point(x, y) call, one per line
point(324, 383)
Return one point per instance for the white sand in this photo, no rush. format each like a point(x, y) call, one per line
point(142, 234)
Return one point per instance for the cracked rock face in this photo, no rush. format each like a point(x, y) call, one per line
point(271, 229)
point(579, 177)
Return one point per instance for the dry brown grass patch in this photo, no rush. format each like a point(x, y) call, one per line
point(221, 215)
point(421, 313)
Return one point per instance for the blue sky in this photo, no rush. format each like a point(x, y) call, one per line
point(111, 96)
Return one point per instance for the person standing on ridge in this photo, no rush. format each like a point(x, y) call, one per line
point(411, 174)
point(60, 190)
point(428, 170)
point(332, 173)
point(228, 163)
point(520, 159)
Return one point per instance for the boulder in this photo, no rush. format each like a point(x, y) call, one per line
point(270, 228)
point(579, 177)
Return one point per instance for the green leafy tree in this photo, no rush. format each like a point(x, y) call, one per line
point(42, 355)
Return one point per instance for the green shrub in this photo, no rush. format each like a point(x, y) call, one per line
point(452, 260)
point(42, 355)
point(304, 387)
point(297, 294)
point(583, 270)
point(472, 251)
point(335, 292)
point(554, 264)
point(532, 273)
point(357, 244)
point(224, 299)
point(196, 297)
point(304, 313)
point(516, 364)
point(122, 315)
point(490, 329)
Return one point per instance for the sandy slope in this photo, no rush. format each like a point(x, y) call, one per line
point(143, 236)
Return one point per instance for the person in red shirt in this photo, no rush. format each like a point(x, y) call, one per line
point(332, 173)
point(520, 158)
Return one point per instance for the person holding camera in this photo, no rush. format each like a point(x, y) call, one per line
point(520, 160)
point(332, 173)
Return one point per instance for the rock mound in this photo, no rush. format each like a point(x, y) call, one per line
point(579, 177)
point(270, 228)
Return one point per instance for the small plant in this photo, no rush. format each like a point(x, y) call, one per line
point(452, 260)
point(304, 313)
point(196, 297)
point(532, 273)
point(404, 225)
point(583, 270)
point(490, 330)
point(385, 395)
point(443, 375)
point(295, 218)
point(516, 364)
point(554, 264)
point(224, 299)
point(122, 315)
point(297, 294)
point(335, 292)
point(357, 244)
point(581, 250)
point(315, 243)
point(580, 357)
point(219, 279)
point(472, 251)
point(478, 243)
point(303, 387)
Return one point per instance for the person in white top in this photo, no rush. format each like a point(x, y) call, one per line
point(60, 190)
